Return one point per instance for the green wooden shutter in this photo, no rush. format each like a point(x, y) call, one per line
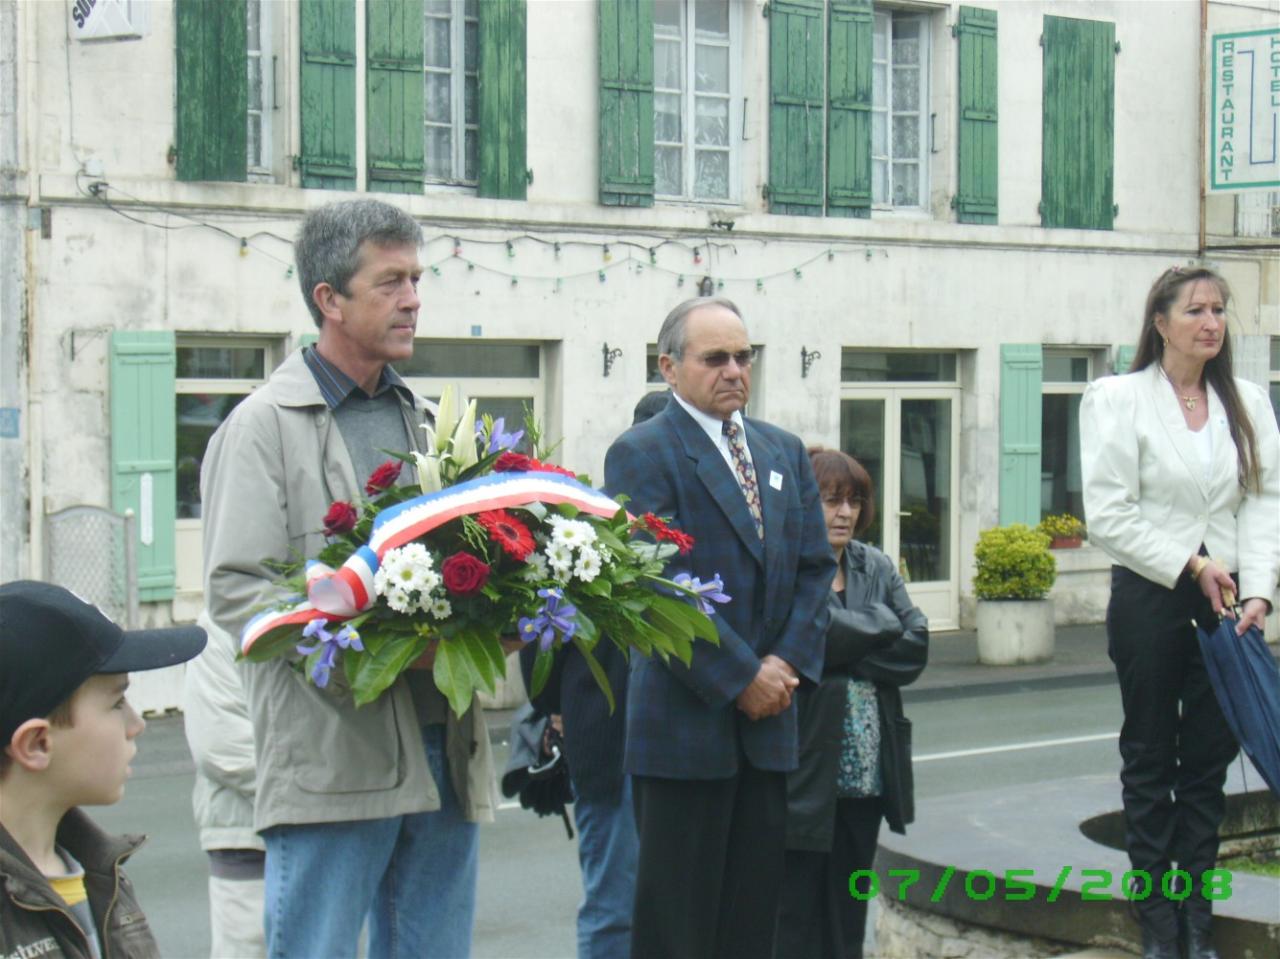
point(1021, 372)
point(394, 90)
point(626, 102)
point(503, 103)
point(213, 90)
point(849, 108)
point(143, 440)
point(978, 189)
point(308, 339)
point(1124, 357)
point(1077, 176)
point(796, 107)
point(328, 93)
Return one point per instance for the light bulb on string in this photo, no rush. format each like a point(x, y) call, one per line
point(653, 256)
point(457, 246)
point(607, 253)
point(601, 275)
point(556, 248)
point(511, 251)
point(759, 286)
point(435, 271)
point(680, 280)
point(244, 247)
point(515, 281)
point(830, 256)
point(697, 256)
point(799, 275)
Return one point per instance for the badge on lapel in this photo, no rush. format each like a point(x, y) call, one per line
point(775, 479)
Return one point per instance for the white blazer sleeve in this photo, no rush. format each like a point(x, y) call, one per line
point(1258, 518)
point(1109, 457)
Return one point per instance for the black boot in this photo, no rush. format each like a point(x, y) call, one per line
point(1195, 934)
point(1154, 947)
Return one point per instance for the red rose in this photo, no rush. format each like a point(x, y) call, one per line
point(463, 574)
point(510, 462)
point(341, 518)
point(383, 478)
point(552, 468)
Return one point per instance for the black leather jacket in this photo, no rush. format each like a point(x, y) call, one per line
point(876, 633)
point(34, 921)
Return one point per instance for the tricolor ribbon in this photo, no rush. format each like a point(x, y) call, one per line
point(336, 595)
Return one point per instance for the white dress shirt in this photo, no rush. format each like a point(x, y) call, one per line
point(715, 430)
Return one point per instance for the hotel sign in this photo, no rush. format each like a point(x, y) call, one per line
point(1244, 118)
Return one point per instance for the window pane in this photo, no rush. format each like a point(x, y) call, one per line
point(198, 416)
point(1275, 353)
point(863, 366)
point(1065, 369)
point(439, 107)
point(440, 7)
point(906, 88)
point(906, 184)
point(471, 45)
point(439, 152)
point(924, 529)
point(652, 374)
point(472, 100)
point(1275, 400)
point(711, 173)
point(906, 40)
point(906, 137)
point(862, 437)
point(712, 122)
point(255, 140)
point(879, 133)
point(880, 38)
point(878, 83)
point(436, 52)
point(471, 8)
point(667, 175)
point(221, 362)
point(666, 65)
point(666, 18)
point(879, 181)
point(666, 118)
point(453, 360)
point(711, 19)
point(1060, 484)
point(469, 158)
point(255, 83)
point(711, 71)
point(253, 14)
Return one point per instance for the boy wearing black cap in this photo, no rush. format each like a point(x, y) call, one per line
point(67, 734)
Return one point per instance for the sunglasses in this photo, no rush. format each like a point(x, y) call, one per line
point(743, 358)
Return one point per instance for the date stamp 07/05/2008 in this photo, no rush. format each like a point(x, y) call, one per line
point(1018, 885)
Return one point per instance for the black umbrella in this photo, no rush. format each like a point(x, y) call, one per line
point(1246, 681)
point(537, 769)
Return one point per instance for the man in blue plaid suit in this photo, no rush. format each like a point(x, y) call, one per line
point(709, 745)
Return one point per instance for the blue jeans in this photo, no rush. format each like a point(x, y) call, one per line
point(413, 876)
point(607, 851)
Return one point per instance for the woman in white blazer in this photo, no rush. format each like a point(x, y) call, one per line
point(1181, 466)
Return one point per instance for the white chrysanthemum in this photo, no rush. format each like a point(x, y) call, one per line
point(588, 566)
point(400, 600)
point(536, 567)
point(573, 533)
point(440, 608)
point(408, 568)
point(560, 557)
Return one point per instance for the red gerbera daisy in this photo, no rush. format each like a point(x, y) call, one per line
point(508, 532)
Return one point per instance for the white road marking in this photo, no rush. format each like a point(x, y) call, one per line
point(1014, 747)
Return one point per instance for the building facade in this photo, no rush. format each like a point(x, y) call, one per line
point(940, 221)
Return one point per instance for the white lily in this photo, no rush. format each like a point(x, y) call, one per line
point(464, 439)
point(428, 472)
point(446, 419)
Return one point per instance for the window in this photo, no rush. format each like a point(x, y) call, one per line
point(694, 76)
point(1065, 376)
point(869, 366)
point(1258, 213)
point(1077, 175)
point(899, 90)
point(1275, 376)
point(451, 58)
point(213, 376)
point(503, 378)
point(261, 93)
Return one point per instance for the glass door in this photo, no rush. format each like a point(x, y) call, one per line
point(905, 439)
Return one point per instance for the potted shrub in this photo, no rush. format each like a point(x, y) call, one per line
point(1064, 531)
point(1015, 572)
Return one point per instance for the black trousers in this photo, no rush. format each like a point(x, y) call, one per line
point(818, 917)
point(1175, 744)
point(711, 859)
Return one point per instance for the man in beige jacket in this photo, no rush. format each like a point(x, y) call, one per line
point(370, 810)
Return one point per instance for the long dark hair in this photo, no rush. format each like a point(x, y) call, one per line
point(1217, 372)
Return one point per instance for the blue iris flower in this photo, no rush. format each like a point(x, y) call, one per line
point(344, 638)
point(555, 618)
point(707, 593)
point(499, 439)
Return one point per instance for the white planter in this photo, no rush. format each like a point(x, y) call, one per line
point(1012, 631)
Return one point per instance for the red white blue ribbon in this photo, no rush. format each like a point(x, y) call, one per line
point(339, 594)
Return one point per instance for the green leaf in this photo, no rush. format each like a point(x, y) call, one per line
point(376, 671)
point(453, 676)
point(542, 664)
point(597, 671)
point(698, 623)
point(477, 659)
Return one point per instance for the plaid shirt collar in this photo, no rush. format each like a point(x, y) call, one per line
point(335, 386)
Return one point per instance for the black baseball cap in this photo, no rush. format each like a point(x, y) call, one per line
point(51, 641)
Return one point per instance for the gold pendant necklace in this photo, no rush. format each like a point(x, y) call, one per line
point(1189, 401)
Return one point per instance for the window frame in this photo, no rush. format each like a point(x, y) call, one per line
point(1094, 364)
point(262, 170)
point(688, 107)
point(923, 19)
point(457, 71)
point(495, 387)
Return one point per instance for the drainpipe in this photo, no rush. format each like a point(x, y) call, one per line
point(1200, 164)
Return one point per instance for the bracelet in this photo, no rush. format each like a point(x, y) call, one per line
point(1198, 568)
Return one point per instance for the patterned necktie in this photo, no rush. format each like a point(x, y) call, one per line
point(746, 473)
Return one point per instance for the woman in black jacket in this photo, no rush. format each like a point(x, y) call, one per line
point(855, 742)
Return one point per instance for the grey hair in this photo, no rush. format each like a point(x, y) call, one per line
point(671, 338)
point(328, 246)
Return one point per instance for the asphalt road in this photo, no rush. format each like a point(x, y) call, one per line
point(529, 885)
